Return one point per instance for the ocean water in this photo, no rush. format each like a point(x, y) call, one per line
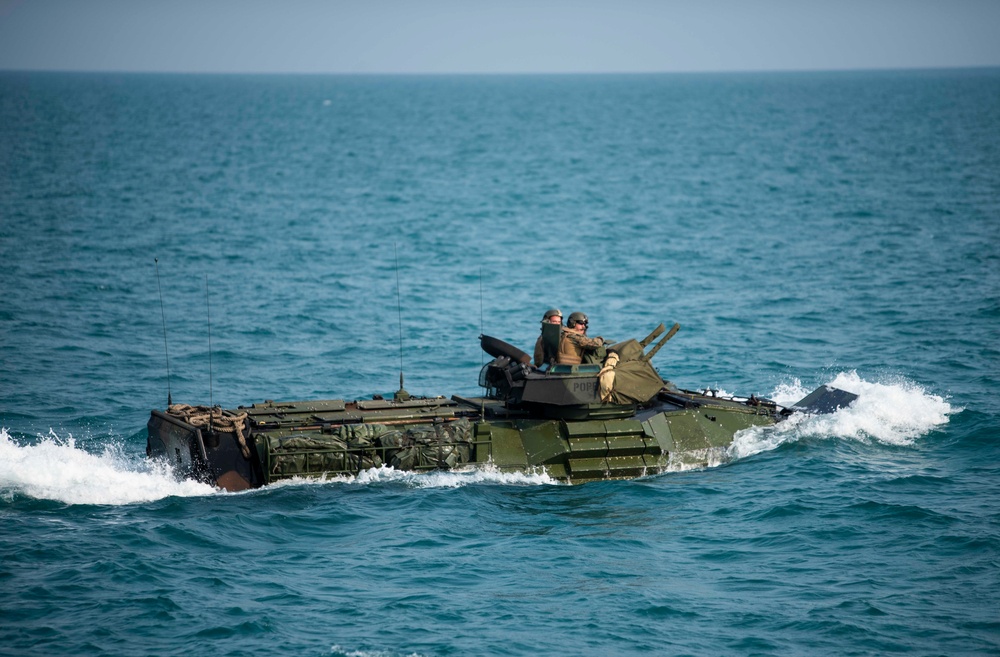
point(803, 229)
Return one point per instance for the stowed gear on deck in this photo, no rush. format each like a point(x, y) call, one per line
point(212, 417)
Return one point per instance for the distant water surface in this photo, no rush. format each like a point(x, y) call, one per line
point(803, 229)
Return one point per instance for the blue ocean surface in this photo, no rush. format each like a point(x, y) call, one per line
point(803, 228)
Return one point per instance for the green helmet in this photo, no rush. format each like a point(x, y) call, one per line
point(552, 312)
point(576, 317)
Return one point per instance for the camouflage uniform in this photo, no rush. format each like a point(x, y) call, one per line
point(574, 346)
point(540, 349)
point(539, 352)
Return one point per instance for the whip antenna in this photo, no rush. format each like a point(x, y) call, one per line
point(163, 318)
point(482, 330)
point(482, 354)
point(208, 313)
point(401, 395)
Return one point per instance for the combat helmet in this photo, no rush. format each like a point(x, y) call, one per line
point(552, 312)
point(576, 317)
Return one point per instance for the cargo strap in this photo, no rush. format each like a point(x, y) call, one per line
point(211, 416)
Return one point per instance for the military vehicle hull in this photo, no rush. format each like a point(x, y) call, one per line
point(578, 423)
point(281, 440)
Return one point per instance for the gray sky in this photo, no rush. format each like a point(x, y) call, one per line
point(498, 36)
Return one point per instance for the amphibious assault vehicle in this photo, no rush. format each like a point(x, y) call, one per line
point(613, 419)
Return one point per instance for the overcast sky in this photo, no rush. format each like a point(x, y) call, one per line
point(497, 36)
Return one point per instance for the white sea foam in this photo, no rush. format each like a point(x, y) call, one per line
point(54, 468)
point(697, 459)
point(892, 412)
point(486, 474)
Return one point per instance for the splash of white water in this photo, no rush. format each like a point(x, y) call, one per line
point(56, 469)
point(891, 412)
point(486, 474)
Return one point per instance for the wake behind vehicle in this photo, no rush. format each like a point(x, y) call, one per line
point(577, 423)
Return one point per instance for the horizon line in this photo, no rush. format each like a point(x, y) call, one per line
point(865, 69)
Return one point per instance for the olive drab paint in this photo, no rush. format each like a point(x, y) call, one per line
point(547, 419)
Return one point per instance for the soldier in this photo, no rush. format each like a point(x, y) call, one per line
point(552, 316)
point(575, 347)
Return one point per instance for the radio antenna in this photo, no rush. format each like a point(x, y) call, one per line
point(163, 318)
point(401, 394)
point(208, 313)
point(482, 328)
point(482, 354)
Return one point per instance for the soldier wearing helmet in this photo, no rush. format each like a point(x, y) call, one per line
point(552, 316)
point(575, 347)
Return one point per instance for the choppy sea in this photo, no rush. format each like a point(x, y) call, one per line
point(803, 228)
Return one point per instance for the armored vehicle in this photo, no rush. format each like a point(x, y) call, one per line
point(615, 419)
